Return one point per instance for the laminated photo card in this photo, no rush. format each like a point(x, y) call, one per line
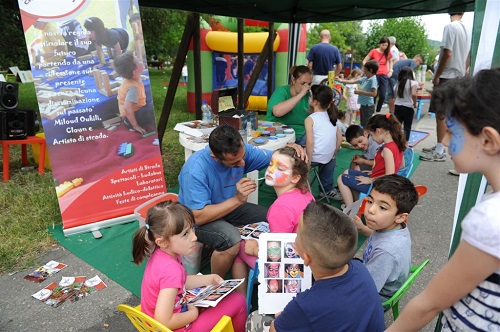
point(56, 294)
point(282, 272)
point(253, 231)
point(45, 271)
point(211, 295)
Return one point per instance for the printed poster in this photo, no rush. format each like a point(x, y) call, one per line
point(282, 274)
point(88, 64)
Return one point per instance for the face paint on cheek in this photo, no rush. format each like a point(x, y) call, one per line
point(457, 139)
point(281, 177)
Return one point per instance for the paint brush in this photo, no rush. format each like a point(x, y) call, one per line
point(232, 185)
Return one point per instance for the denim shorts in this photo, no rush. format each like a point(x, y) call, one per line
point(223, 233)
point(349, 180)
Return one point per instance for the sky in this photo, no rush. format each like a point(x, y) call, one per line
point(435, 23)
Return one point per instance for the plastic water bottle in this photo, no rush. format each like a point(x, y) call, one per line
point(206, 111)
point(249, 130)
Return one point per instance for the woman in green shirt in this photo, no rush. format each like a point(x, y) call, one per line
point(289, 104)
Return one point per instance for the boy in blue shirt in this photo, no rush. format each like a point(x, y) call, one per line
point(388, 251)
point(367, 91)
point(327, 241)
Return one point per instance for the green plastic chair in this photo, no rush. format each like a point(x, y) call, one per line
point(393, 302)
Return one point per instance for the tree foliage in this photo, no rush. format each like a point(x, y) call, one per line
point(345, 35)
point(409, 32)
point(162, 30)
point(13, 51)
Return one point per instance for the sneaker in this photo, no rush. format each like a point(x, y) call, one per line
point(343, 206)
point(428, 150)
point(433, 156)
point(333, 194)
point(453, 172)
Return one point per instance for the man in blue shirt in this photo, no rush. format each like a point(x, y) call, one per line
point(396, 69)
point(324, 57)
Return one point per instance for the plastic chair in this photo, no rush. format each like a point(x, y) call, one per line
point(408, 158)
point(253, 276)
point(393, 302)
point(225, 324)
point(141, 321)
point(315, 171)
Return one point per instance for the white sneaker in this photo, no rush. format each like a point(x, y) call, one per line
point(427, 150)
point(454, 172)
point(433, 156)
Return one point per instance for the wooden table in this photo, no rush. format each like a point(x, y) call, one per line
point(24, 153)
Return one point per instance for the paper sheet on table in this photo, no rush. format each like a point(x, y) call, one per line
point(186, 130)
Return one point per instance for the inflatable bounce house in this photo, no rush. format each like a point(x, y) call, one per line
point(219, 59)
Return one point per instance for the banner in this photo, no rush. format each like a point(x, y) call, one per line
point(87, 59)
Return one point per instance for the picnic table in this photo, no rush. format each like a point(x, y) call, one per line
point(422, 96)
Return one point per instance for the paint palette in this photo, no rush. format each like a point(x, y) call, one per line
point(258, 141)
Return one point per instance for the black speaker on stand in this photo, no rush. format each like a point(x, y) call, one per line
point(9, 95)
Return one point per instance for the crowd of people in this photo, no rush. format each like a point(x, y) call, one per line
point(214, 192)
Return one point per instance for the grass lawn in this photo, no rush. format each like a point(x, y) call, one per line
point(28, 202)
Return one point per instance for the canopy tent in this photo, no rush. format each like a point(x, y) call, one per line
point(485, 51)
point(313, 11)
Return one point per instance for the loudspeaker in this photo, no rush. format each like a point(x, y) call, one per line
point(32, 124)
point(8, 95)
point(13, 125)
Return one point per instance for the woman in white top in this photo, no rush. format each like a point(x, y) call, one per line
point(323, 137)
point(406, 99)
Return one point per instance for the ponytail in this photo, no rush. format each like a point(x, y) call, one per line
point(390, 123)
point(324, 95)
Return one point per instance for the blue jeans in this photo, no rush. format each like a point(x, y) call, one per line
point(301, 141)
point(222, 234)
point(325, 173)
point(349, 180)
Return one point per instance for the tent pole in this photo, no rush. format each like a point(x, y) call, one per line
point(270, 61)
point(241, 81)
point(191, 22)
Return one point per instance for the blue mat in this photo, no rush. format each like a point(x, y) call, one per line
point(416, 137)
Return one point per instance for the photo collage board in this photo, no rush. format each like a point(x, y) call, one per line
point(282, 272)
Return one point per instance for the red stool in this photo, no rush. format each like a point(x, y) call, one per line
point(24, 153)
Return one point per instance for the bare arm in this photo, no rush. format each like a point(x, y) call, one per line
point(117, 50)
point(338, 68)
point(468, 267)
point(443, 61)
point(414, 95)
point(287, 106)
point(129, 112)
point(310, 64)
point(212, 212)
point(164, 310)
point(367, 58)
point(195, 281)
point(339, 140)
point(390, 167)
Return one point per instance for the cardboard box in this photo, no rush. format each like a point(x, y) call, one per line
point(223, 104)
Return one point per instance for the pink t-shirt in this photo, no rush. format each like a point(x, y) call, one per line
point(382, 61)
point(283, 215)
point(162, 271)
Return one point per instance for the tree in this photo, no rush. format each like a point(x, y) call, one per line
point(345, 35)
point(409, 32)
point(163, 30)
point(13, 51)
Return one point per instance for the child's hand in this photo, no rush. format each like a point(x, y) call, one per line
point(194, 310)
point(139, 129)
point(363, 180)
point(355, 158)
point(215, 279)
point(359, 224)
point(252, 247)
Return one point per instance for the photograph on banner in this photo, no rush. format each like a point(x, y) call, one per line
point(88, 65)
point(284, 272)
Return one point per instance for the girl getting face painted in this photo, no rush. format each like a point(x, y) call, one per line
point(279, 171)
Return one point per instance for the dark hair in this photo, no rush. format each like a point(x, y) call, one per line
point(352, 132)
point(383, 40)
point(390, 123)
point(418, 56)
point(224, 139)
point(299, 167)
point(400, 189)
point(405, 75)
point(329, 236)
point(163, 220)
point(124, 64)
point(297, 71)
point(372, 66)
point(473, 101)
point(324, 95)
point(97, 25)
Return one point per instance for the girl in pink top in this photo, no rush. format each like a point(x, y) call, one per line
point(169, 233)
point(382, 55)
point(385, 129)
point(288, 174)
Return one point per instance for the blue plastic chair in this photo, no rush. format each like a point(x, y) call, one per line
point(253, 276)
point(408, 157)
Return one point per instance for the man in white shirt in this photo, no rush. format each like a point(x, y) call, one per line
point(454, 61)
